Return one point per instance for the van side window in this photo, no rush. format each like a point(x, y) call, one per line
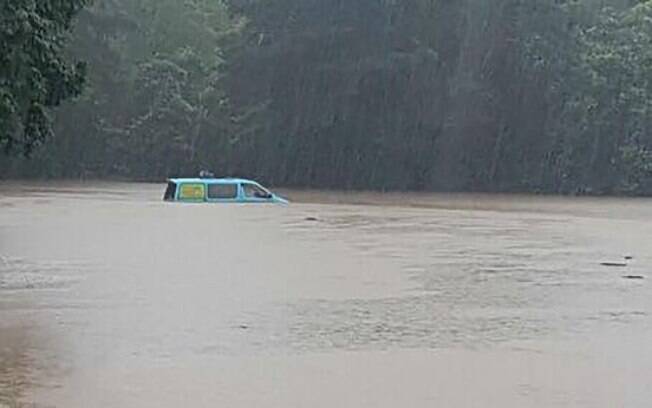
point(253, 191)
point(222, 191)
point(192, 191)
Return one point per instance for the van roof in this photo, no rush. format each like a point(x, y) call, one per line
point(227, 180)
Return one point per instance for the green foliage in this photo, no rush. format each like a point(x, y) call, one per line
point(471, 95)
point(507, 95)
point(616, 101)
point(34, 73)
point(153, 105)
point(637, 169)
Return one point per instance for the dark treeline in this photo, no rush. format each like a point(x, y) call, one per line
point(467, 95)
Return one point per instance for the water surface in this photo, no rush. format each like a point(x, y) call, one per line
point(111, 298)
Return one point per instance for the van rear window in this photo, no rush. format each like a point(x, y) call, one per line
point(170, 191)
point(222, 191)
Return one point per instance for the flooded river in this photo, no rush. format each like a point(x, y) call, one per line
point(111, 298)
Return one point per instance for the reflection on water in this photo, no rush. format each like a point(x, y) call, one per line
point(26, 290)
point(16, 365)
point(381, 300)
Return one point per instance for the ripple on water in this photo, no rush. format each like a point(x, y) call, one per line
point(19, 275)
point(480, 281)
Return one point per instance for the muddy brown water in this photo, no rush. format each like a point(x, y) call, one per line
point(111, 298)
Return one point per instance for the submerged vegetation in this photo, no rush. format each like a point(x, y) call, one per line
point(469, 95)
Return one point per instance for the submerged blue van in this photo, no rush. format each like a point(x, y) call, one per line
point(219, 190)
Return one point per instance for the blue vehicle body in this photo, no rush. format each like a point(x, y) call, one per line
point(219, 190)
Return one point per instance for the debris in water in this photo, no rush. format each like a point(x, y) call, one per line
point(627, 258)
point(614, 264)
point(634, 277)
point(311, 219)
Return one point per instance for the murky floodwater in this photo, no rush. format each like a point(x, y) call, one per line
point(111, 298)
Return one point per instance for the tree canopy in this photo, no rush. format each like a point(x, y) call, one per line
point(34, 72)
point(467, 95)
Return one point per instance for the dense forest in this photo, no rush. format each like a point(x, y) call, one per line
point(451, 95)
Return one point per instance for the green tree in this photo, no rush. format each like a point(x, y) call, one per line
point(35, 74)
point(473, 95)
point(180, 118)
point(154, 105)
point(612, 151)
